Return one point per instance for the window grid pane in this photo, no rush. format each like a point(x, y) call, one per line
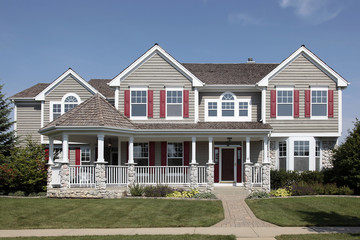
point(56, 111)
point(71, 99)
point(212, 109)
point(69, 106)
point(138, 97)
point(317, 149)
point(282, 149)
point(228, 96)
point(319, 96)
point(301, 148)
point(243, 109)
point(85, 154)
point(141, 154)
point(174, 97)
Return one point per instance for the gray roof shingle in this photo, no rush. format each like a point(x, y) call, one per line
point(102, 87)
point(31, 92)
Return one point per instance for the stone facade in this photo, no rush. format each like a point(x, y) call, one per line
point(266, 177)
point(210, 177)
point(326, 153)
point(248, 173)
point(49, 177)
point(64, 175)
point(100, 176)
point(273, 155)
point(85, 193)
point(193, 175)
point(131, 174)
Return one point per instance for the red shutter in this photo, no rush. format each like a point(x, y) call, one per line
point(127, 103)
point(273, 103)
point(186, 153)
point(186, 103)
point(77, 156)
point(152, 154)
point(163, 153)
point(307, 103)
point(296, 103)
point(46, 154)
point(150, 103)
point(238, 164)
point(331, 103)
point(162, 103)
point(216, 167)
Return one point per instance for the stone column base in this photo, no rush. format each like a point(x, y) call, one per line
point(194, 175)
point(210, 177)
point(64, 175)
point(100, 176)
point(131, 174)
point(248, 174)
point(266, 177)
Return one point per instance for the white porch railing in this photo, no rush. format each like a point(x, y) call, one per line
point(116, 175)
point(202, 175)
point(256, 176)
point(82, 176)
point(162, 175)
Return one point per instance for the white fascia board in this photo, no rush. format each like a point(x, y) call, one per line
point(341, 82)
point(156, 48)
point(305, 135)
point(41, 96)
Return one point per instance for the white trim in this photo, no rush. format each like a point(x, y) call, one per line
point(340, 107)
point(62, 103)
point(284, 88)
point(193, 150)
point(196, 105)
point(42, 94)
point(156, 49)
point(182, 103)
point(318, 88)
point(263, 105)
point(341, 82)
point(211, 150)
point(146, 103)
point(71, 94)
point(51, 117)
point(81, 150)
point(117, 98)
point(42, 120)
point(321, 134)
point(15, 119)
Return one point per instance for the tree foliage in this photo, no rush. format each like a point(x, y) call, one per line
point(24, 169)
point(7, 136)
point(346, 160)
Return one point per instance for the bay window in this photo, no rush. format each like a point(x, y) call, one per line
point(301, 155)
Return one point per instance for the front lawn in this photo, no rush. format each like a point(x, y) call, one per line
point(334, 236)
point(23, 213)
point(308, 211)
point(133, 237)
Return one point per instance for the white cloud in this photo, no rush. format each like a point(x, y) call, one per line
point(244, 19)
point(313, 11)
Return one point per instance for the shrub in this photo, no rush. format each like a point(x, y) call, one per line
point(183, 194)
point(302, 188)
point(157, 191)
point(281, 192)
point(136, 190)
point(17, 193)
point(205, 195)
point(41, 194)
point(258, 194)
point(283, 179)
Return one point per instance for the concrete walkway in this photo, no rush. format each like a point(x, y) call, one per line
point(237, 212)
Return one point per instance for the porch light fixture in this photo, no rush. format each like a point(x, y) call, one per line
point(229, 141)
point(109, 144)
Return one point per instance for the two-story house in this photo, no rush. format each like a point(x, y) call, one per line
point(160, 121)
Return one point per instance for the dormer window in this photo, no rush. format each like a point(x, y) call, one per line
point(68, 102)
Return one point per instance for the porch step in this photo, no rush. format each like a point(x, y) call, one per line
point(233, 191)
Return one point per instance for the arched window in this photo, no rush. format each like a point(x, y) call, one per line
point(68, 102)
point(228, 105)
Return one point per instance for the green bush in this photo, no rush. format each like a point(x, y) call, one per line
point(205, 195)
point(258, 194)
point(136, 190)
point(183, 194)
point(281, 192)
point(17, 193)
point(283, 179)
point(157, 191)
point(303, 188)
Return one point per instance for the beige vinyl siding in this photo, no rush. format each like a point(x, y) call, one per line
point(301, 74)
point(256, 151)
point(69, 85)
point(28, 121)
point(157, 74)
point(255, 103)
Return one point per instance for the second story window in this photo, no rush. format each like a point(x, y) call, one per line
point(138, 103)
point(174, 103)
point(68, 102)
point(285, 103)
point(243, 109)
point(319, 103)
point(212, 108)
point(56, 111)
point(228, 105)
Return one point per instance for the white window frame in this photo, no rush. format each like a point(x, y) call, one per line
point(167, 153)
point(148, 153)
point(62, 103)
point(291, 143)
point(169, 89)
point(146, 108)
point(285, 88)
point(317, 88)
point(236, 117)
point(81, 151)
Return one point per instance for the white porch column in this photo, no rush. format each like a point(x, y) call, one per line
point(266, 158)
point(119, 151)
point(51, 151)
point(193, 150)
point(263, 105)
point(117, 97)
point(65, 148)
point(211, 158)
point(247, 149)
point(100, 138)
point(196, 107)
point(131, 150)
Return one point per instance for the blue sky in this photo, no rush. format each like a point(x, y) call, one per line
point(39, 40)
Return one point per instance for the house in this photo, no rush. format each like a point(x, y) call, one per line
point(160, 121)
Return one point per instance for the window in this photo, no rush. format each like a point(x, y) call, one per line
point(212, 109)
point(319, 103)
point(301, 155)
point(228, 105)
point(85, 154)
point(243, 109)
point(68, 102)
point(317, 155)
point(174, 101)
point(285, 103)
point(141, 154)
point(138, 103)
point(282, 155)
point(175, 154)
point(56, 111)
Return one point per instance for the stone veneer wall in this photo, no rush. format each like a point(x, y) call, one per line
point(326, 153)
point(85, 193)
point(272, 155)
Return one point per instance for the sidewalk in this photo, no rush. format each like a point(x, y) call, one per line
point(239, 232)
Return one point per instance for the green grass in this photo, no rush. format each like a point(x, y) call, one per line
point(27, 213)
point(134, 237)
point(335, 236)
point(308, 211)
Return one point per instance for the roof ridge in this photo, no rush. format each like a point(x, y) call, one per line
point(100, 109)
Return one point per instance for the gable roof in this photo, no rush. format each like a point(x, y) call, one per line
point(340, 81)
point(156, 49)
point(41, 95)
point(31, 92)
point(102, 86)
point(231, 73)
point(95, 111)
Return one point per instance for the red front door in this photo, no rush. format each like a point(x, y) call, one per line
point(227, 164)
